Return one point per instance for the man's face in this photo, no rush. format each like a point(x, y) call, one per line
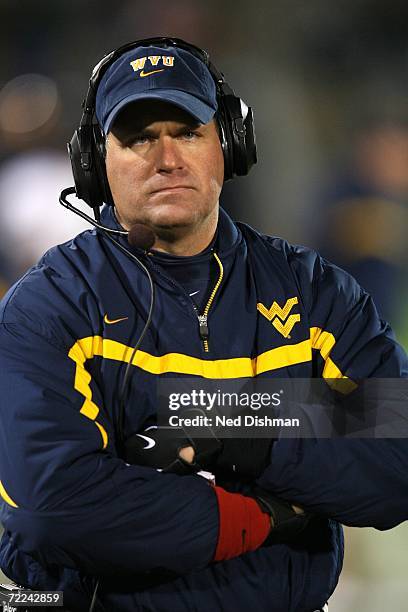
point(164, 169)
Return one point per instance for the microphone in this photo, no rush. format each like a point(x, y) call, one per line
point(141, 237)
point(63, 199)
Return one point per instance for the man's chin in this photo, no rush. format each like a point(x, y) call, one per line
point(172, 216)
point(168, 226)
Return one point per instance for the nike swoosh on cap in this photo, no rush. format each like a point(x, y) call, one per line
point(145, 74)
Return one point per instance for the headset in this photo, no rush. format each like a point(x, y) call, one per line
point(87, 146)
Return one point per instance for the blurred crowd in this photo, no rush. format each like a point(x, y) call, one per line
point(328, 84)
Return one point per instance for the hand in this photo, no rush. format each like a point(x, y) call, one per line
point(158, 447)
point(243, 457)
point(187, 454)
point(287, 520)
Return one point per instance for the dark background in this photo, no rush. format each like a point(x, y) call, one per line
point(328, 84)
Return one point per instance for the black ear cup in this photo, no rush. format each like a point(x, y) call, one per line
point(226, 144)
point(100, 165)
point(87, 145)
point(237, 135)
point(82, 175)
point(87, 154)
point(250, 140)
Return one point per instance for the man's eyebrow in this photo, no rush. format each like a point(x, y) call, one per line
point(190, 125)
point(148, 129)
point(192, 121)
point(124, 132)
point(140, 129)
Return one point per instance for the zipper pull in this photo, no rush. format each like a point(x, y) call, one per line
point(204, 333)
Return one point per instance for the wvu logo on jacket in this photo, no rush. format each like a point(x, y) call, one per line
point(278, 316)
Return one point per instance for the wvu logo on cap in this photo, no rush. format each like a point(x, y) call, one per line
point(278, 316)
point(153, 61)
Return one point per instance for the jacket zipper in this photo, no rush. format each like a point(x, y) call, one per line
point(203, 318)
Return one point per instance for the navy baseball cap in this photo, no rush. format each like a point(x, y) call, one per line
point(170, 74)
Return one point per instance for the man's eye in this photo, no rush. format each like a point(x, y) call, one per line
point(190, 135)
point(139, 139)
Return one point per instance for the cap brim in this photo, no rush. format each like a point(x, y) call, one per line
point(192, 105)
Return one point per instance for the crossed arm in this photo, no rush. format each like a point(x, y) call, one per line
point(78, 503)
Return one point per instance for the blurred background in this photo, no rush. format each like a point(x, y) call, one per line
point(328, 81)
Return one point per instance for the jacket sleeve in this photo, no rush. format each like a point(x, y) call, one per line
point(70, 502)
point(357, 481)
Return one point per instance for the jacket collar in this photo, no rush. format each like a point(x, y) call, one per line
point(228, 234)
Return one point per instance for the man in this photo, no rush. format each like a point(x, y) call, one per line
point(77, 507)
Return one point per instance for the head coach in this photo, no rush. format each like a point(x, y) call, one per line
point(168, 285)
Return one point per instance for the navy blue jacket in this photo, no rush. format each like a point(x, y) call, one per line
point(73, 510)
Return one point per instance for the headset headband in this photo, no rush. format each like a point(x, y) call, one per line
point(162, 41)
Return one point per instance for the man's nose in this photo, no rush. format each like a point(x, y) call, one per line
point(169, 156)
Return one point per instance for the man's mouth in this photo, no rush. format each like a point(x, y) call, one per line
point(172, 188)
